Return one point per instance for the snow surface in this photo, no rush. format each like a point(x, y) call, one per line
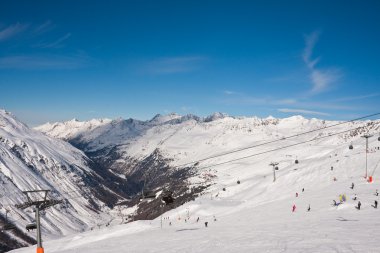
point(30, 160)
point(255, 215)
point(68, 129)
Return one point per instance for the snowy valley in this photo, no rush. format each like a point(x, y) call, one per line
point(106, 163)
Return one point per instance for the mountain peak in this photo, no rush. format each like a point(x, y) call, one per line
point(159, 118)
point(216, 116)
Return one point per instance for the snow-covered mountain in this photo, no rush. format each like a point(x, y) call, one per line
point(67, 130)
point(30, 160)
point(251, 210)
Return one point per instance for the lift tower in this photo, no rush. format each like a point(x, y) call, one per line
point(366, 136)
point(40, 204)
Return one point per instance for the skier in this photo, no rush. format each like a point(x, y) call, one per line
point(308, 209)
point(303, 189)
point(352, 186)
point(206, 223)
point(197, 219)
point(359, 205)
point(377, 193)
point(296, 194)
point(375, 206)
point(355, 197)
point(294, 208)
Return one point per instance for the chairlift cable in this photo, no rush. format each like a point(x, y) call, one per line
point(276, 149)
point(276, 140)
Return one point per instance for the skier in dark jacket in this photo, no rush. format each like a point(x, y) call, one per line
point(308, 209)
point(352, 186)
point(359, 205)
point(375, 206)
point(206, 223)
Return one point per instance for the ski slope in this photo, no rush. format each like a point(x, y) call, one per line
point(255, 215)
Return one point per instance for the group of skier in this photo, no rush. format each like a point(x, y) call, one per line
point(359, 203)
point(355, 198)
point(342, 199)
point(294, 207)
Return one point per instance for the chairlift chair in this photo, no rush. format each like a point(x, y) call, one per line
point(276, 168)
point(147, 195)
point(9, 226)
point(31, 226)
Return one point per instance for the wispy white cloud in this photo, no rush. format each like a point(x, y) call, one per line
point(172, 65)
point(12, 31)
point(229, 92)
point(43, 28)
point(55, 44)
point(302, 111)
point(345, 99)
point(310, 42)
point(321, 78)
point(42, 62)
point(233, 97)
point(286, 101)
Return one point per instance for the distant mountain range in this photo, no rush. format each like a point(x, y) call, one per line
point(100, 167)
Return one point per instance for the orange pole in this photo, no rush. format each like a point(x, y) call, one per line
point(40, 250)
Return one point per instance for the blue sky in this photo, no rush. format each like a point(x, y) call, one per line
point(93, 59)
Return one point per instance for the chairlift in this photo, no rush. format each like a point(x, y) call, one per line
point(296, 161)
point(8, 226)
point(147, 195)
point(276, 168)
point(31, 226)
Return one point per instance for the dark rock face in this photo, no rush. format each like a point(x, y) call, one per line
point(128, 176)
point(153, 174)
